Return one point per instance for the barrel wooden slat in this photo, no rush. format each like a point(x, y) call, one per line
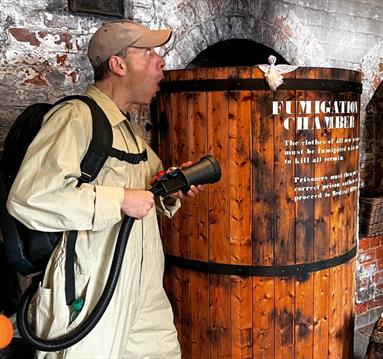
point(240, 215)
point(284, 309)
point(263, 317)
point(348, 316)
point(338, 238)
point(321, 314)
point(304, 209)
point(240, 172)
point(304, 229)
point(349, 222)
point(304, 313)
point(219, 239)
point(263, 228)
point(180, 223)
point(285, 232)
point(321, 240)
point(166, 104)
point(198, 233)
point(199, 311)
point(350, 271)
point(336, 310)
point(338, 203)
point(251, 217)
point(284, 208)
point(322, 207)
point(263, 179)
point(180, 151)
point(163, 121)
point(197, 124)
point(344, 167)
point(241, 316)
point(182, 309)
point(219, 332)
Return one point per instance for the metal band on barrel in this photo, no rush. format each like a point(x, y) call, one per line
point(260, 84)
point(297, 270)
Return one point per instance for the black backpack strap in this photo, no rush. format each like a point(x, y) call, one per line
point(91, 164)
point(100, 148)
point(101, 142)
point(70, 285)
point(133, 158)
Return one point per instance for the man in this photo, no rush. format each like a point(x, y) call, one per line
point(138, 322)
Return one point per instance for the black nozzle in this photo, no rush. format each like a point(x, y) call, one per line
point(206, 170)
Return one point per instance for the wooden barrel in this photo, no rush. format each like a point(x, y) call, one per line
point(262, 264)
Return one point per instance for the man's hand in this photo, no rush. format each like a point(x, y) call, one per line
point(137, 203)
point(193, 191)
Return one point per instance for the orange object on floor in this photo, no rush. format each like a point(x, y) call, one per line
point(6, 331)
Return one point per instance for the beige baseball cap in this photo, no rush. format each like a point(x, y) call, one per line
point(115, 36)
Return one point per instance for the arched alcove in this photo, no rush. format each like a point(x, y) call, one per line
point(372, 145)
point(235, 52)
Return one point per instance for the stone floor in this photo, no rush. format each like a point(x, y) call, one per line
point(361, 338)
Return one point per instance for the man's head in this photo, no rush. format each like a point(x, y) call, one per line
point(114, 37)
point(123, 56)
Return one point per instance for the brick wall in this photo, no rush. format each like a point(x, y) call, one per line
point(369, 280)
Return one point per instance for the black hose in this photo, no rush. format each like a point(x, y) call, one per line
point(206, 170)
point(50, 345)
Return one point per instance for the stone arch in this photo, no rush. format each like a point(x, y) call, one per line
point(285, 34)
point(372, 73)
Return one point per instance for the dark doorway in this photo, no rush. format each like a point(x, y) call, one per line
point(235, 53)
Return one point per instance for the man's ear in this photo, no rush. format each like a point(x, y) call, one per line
point(117, 65)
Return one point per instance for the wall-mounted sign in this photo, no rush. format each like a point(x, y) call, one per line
point(102, 7)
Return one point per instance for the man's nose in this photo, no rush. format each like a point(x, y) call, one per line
point(161, 63)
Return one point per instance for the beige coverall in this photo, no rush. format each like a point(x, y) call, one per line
point(138, 322)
